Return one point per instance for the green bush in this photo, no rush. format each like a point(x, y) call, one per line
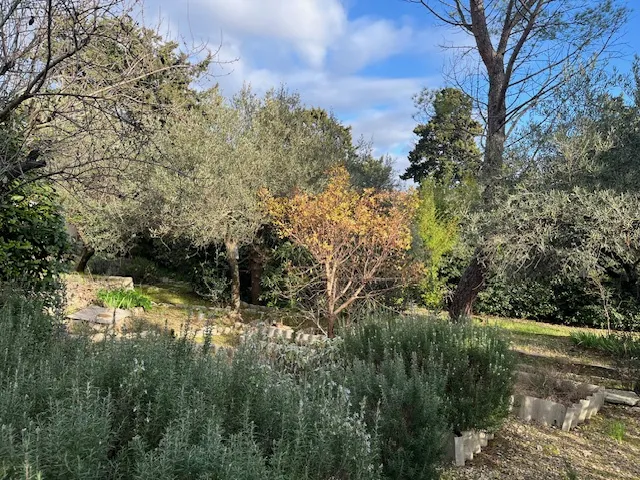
point(475, 362)
point(33, 241)
point(142, 270)
point(560, 300)
point(406, 409)
point(533, 300)
point(164, 408)
point(122, 298)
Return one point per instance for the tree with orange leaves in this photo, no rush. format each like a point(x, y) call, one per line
point(357, 242)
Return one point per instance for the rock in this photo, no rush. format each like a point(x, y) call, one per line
point(99, 315)
point(621, 397)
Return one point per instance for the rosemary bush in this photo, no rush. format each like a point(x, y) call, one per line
point(475, 362)
point(163, 408)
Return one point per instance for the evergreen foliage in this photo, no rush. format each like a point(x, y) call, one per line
point(446, 149)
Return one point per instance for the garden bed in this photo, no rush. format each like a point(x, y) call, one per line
point(555, 402)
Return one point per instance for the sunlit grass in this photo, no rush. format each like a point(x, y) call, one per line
point(528, 326)
point(174, 294)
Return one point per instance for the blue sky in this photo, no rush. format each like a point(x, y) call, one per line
point(361, 59)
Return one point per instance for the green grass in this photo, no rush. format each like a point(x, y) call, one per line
point(122, 298)
point(174, 293)
point(527, 327)
point(617, 430)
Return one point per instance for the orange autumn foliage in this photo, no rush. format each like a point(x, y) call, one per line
point(358, 240)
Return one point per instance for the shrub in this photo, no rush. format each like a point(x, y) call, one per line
point(560, 300)
point(405, 407)
point(475, 361)
point(140, 269)
point(402, 409)
point(122, 298)
point(529, 299)
point(33, 241)
point(164, 408)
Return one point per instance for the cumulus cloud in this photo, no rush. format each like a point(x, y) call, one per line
point(369, 40)
point(309, 25)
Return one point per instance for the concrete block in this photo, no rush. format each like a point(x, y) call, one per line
point(460, 457)
point(555, 414)
point(464, 447)
point(621, 397)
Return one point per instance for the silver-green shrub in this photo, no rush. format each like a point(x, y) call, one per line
point(159, 407)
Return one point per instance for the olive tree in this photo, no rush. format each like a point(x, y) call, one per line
point(224, 152)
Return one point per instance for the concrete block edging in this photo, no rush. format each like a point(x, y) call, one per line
point(464, 447)
point(547, 412)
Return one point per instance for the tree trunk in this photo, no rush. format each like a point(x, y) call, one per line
point(87, 253)
point(231, 247)
point(471, 283)
point(472, 280)
point(496, 134)
point(331, 321)
point(256, 268)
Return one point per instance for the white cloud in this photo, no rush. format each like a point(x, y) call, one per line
point(310, 25)
point(370, 40)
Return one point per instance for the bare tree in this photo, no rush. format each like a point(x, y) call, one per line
point(520, 54)
point(76, 91)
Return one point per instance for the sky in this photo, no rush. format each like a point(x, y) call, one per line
point(361, 59)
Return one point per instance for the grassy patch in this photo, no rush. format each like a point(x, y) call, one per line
point(174, 294)
point(122, 298)
point(616, 430)
point(527, 327)
point(614, 344)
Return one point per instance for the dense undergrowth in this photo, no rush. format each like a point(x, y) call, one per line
point(377, 404)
